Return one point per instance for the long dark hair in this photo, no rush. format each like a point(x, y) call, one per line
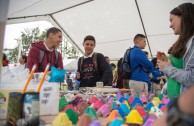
point(186, 12)
point(4, 56)
point(25, 58)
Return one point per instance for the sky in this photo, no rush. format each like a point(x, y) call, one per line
point(13, 31)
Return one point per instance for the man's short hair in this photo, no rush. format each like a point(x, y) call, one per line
point(89, 37)
point(113, 65)
point(53, 30)
point(146, 52)
point(138, 36)
point(154, 61)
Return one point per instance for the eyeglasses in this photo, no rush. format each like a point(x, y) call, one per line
point(176, 117)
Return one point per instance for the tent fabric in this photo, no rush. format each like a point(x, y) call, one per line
point(70, 64)
point(113, 23)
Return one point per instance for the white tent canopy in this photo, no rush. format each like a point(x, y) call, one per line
point(113, 23)
point(70, 64)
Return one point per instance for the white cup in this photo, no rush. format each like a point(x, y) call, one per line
point(99, 84)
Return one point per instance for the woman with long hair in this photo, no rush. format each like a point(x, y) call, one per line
point(179, 66)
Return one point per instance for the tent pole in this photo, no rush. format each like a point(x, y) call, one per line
point(72, 6)
point(4, 4)
point(67, 34)
point(50, 13)
point(143, 27)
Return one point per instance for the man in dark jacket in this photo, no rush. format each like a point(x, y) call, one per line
point(92, 66)
point(50, 55)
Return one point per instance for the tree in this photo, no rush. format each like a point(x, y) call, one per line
point(12, 54)
point(69, 50)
